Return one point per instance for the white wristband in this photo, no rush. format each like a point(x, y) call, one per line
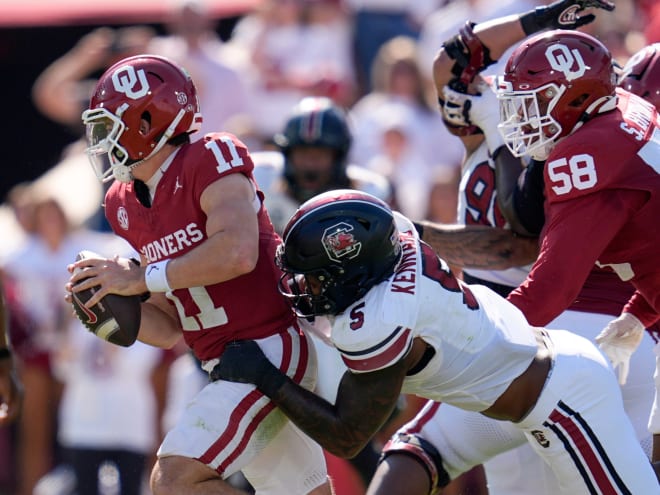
point(156, 277)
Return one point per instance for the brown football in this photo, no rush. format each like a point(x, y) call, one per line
point(115, 318)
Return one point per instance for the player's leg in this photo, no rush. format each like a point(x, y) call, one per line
point(291, 463)
point(400, 474)
point(445, 442)
point(519, 472)
point(639, 389)
point(580, 428)
point(226, 427)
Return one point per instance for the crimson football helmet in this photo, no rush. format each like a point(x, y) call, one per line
point(641, 74)
point(141, 87)
point(347, 240)
point(552, 84)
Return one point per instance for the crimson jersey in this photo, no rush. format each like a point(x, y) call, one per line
point(602, 188)
point(247, 307)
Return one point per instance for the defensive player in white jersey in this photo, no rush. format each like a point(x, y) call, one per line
point(312, 158)
point(403, 322)
point(194, 213)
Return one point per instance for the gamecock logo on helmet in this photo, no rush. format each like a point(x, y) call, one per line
point(340, 243)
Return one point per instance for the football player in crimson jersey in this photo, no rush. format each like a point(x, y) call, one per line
point(602, 296)
point(558, 100)
point(207, 245)
point(403, 323)
point(640, 75)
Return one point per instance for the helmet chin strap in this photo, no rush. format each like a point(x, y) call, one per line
point(124, 173)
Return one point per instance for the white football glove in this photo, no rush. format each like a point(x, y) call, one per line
point(482, 111)
point(619, 339)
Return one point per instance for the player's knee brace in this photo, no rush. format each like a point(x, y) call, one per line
point(424, 452)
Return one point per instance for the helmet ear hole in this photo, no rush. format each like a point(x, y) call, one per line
point(365, 223)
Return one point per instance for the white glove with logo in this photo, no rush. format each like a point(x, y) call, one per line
point(619, 339)
point(484, 112)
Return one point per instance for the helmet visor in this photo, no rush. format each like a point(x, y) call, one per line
point(104, 151)
point(525, 122)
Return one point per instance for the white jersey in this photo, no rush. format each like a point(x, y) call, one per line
point(478, 352)
point(269, 174)
point(477, 205)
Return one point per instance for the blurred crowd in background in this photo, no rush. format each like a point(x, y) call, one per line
point(372, 58)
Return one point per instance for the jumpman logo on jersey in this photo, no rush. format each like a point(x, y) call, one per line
point(177, 186)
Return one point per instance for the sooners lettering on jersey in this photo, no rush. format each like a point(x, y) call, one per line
point(247, 307)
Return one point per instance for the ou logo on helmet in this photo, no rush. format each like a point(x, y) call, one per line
point(132, 83)
point(568, 62)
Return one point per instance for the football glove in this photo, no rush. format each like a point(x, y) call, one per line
point(485, 114)
point(562, 14)
point(243, 361)
point(619, 340)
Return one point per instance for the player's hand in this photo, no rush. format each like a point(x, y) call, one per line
point(619, 340)
point(562, 14)
point(484, 112)
point(110, 275)
point(243, 361)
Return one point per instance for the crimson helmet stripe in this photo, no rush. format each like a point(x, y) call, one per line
point(311, 125)
point(587, 453)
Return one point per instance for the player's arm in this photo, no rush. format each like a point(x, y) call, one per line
point(363, 404)
point(577, 231)
point(231, 250)
point(11, 391)
point(489, 247)
point(639, 306)
point(159, 325)
point(497, 35)
point(491, 39)
point(232, 227)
